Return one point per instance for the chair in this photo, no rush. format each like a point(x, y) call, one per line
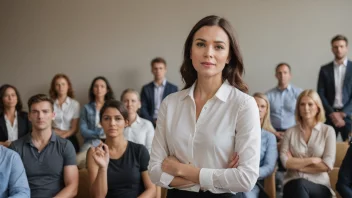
point(270, 185)
point(83, 186)
point(341, 150)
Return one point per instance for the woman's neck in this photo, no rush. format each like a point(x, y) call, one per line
point(61, 99)
point(99, 100)
point(206, 88)
point(10, 111)
point(309, 124)
point(132, 117)
point(116, 144)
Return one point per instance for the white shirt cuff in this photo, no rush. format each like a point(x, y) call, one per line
point(206, 178)
point(166, 179)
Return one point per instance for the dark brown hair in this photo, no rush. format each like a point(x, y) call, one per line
point(40, 98)
point(109, 94)
point(3, 89)
point(232, 72)
point(52, 92)
point(157, 60)
point(339, 37)
point(114, 104)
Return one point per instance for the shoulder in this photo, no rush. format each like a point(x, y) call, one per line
point(170, 84)
point(268, 134)
point(146, 123)
point(138, 149)
point(270, 91)
point(326, 66)
point(74, 102)
point(241, 99)
point(64, 144)
point(148, 85)
point(292, 130)
point(327, 129)
point(8, 153)
point(18, 144)
point(296, 89)
point(23, 114)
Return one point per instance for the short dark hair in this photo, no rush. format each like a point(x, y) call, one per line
point(109, 94)
point(157, 60)
point(114, 104)
point(232, 71)
point(40, 98)
point(283, 64)
point(3, 89)
point(339, 37)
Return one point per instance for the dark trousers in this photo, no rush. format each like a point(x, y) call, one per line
point(175, 193)
point(345, 130)
point(303, 188)
point(75, 142)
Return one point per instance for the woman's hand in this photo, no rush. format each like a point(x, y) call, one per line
point(233, 162)
point(101, 155)
point(170, 165)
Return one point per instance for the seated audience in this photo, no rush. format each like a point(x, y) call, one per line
point(344, 182)
point(139, 130)
point(119, 167)
point(13, 121)
point(12, 175)
point(268, 150)
point(308, 151)
point(91, 130)
point(49, 160)
point(66, 109)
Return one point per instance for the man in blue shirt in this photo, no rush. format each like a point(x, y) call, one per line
point(283, 100)
point(13, 179)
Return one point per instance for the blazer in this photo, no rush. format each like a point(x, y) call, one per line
point(147, 99)
point(326, 88)
point(24, 125)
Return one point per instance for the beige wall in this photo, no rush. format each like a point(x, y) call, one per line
point(117, 39)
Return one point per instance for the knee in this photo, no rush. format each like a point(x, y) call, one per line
point(295, 185)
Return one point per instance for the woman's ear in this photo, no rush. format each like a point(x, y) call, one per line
point(126, 123)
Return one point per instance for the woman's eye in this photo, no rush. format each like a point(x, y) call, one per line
point(200, 44)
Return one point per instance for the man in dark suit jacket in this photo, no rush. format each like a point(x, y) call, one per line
point(335, 88)
point(153, 93)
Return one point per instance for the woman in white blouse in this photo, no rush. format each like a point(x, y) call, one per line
point(210, 123)
point(139, 130)
point(308, 151)
point(66, 108)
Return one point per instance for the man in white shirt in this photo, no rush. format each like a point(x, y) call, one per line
point(335, 88)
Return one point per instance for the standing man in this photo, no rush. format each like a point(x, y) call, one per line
point(49, 160)
point(153, 93)
point(335, 88)
point(283, 99)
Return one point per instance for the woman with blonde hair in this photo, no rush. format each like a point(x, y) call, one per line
point(268, 150)
point(308, 150)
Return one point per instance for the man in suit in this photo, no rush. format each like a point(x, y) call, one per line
point(335, 88)
point(153, 93)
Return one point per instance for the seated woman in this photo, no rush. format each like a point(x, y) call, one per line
point(344, 182)
point(14, 122)
point(66, 109)
point(119, 167)
point(308, 151)
point(268, 149)
point(139, 130)
point(91, 130)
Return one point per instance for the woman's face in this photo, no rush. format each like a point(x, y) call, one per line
point(113, 122)
point(100, 88)
point(210, 51)
point(10, 98)
point(262, 106)
point(61, 87)
point(307, 108)
point(131, 101)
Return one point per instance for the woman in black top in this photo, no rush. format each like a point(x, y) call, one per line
point(13, 121)
point(119, 167)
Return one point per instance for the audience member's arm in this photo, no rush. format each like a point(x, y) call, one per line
point(270, 158)
point(150, 188)
point(322, 82)
point(18, 183)
point(70, 172)
point(144, 109)
point(71, 182)
point(97, 166)
point(344, 182)
point(290, 162)
point(70, 132)
point(85, 131)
